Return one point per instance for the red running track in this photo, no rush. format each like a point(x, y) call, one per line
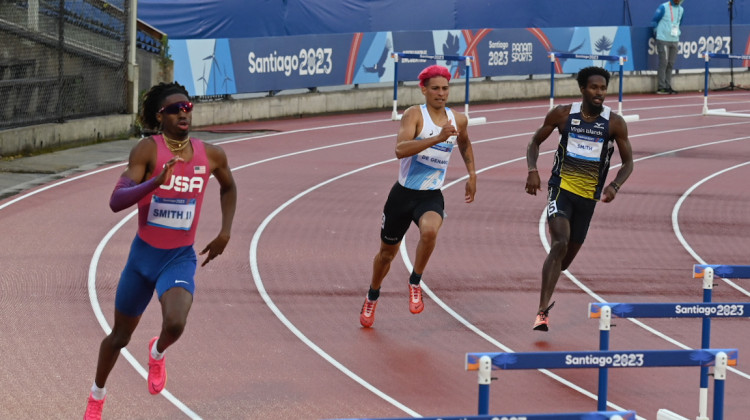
point(274, 329)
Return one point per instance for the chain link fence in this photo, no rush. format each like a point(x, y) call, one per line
point(62, 59)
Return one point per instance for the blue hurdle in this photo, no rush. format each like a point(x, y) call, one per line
point(719, 111)
point(705, 310)
point(719, 358)
point(706, 272)
point(619, 58)
point(395, 116)
point(593, 415)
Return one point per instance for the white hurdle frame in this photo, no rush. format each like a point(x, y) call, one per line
point(395, 116)
point(721, 112)
point(619, 58)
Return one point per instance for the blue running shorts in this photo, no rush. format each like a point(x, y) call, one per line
point(148, 269)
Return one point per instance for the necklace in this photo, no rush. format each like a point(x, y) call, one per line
point(175, 145)
point(589, 116)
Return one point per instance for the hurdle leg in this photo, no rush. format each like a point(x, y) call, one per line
point(552, 80)
point(394, 114)
point(485, 378)
point(472, 121)
point(708, 284)
point(705, 85)
point(720, 375)
point(627, 118)
point(605, 322)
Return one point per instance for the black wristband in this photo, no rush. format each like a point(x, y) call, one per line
point(615, 186)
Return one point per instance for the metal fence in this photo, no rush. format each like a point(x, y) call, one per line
point(62, 59)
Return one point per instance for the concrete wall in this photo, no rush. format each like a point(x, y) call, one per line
point(91, 130)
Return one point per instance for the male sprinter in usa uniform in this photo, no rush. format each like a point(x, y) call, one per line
point(588, 132)
point(424, 144)
point(167, 175)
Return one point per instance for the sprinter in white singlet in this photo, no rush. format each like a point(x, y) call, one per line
point(424, 143)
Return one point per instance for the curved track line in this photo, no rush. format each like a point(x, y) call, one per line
point(284, 320)
point(105, 326)
point(678, 232)
point(542, 234)
point(57, 184)
point(92, 271)
point(543, 237)
point(296, 331)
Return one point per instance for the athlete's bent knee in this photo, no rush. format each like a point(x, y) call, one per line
point(558, 248)
point(118, 341)
point(174, 327)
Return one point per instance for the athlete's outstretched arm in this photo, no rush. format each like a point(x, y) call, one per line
point(555, 118)
point(467, 153)
point(227, 198)
point(619, 130)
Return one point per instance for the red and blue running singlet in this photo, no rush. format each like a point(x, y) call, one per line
point(168, 216)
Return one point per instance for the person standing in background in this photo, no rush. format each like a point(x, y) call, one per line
point(666, 28)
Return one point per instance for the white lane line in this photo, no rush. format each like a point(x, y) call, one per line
point(545, 242)
point(678, 232)
point(312, 345)
point(56, 184)
point(284, 320)
point(93, 298)
point(92, 273)
point(542, 235)
point(105, 326)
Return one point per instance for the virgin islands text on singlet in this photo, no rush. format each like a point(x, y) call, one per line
point(583, 156)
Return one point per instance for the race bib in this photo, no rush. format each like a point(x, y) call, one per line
point(171, 213)
point(585, 147)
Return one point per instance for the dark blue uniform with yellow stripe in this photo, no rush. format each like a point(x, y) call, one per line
point(583, 155)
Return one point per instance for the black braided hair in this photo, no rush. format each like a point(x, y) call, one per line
point(585, 73)
point(153, 100)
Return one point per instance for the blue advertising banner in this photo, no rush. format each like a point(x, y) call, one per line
point(695, 40)
point(448, 43)
point(290, 62)
point(245, 65)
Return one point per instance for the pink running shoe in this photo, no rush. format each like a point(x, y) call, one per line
point(94, 408)
point(157, 372)
point(415, 299)
point(367, 315)
point(541, 323)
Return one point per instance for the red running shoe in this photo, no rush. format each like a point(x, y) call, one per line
point(415, 299)
point(94, 408)
point(157, 372)
point(541, 323)
point(367, 315)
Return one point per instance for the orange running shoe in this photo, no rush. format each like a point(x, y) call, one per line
point(415, 298)
point(541, 323)
point(367, 315)
point(94, 408)
point(157, 371)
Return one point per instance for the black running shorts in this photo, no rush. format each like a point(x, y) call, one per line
point(578, 210)
point(404, 206)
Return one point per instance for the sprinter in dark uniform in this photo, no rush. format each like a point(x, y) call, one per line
point(588, 131)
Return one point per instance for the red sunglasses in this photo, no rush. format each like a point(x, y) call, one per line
point(176, 107)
